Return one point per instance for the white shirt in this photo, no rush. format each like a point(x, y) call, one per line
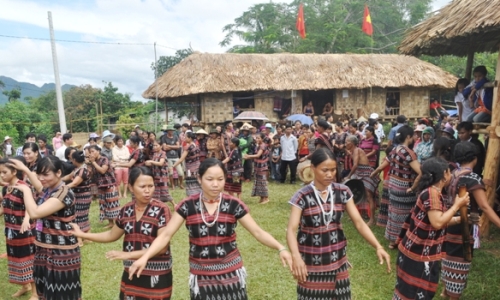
point(380, 132)
point(60, 152)
point(466, 109)
point(289, 146)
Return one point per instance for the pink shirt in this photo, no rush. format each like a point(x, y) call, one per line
point(56, 142)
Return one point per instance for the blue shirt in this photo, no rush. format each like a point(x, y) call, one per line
point(392, 133)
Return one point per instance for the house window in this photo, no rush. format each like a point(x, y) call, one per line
point(243, 101)
point(392, 102)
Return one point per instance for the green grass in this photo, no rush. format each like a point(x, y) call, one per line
point(267, 279)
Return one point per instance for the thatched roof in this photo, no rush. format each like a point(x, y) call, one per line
point(227, 72)
point(456, 29)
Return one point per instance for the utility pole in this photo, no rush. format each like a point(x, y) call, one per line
point(156, 92)
point(60, 104)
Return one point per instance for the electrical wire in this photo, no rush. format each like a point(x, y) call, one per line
point(86, 42)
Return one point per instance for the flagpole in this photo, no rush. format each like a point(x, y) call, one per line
point(371, 90)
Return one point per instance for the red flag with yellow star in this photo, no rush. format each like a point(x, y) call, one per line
point(301, 27)
point(367, 22)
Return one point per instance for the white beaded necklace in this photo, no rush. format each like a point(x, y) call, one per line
point(327, 216)
point(203, 214)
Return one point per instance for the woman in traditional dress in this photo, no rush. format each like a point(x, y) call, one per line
point(57, 256)
point(31, 154)
point(370, 145)
point(137, 158)
point(159, 167)
point(260, 159)
point(455, 269)
point(191, 154)
point(19, 231)
point(383, 211)
point(225, 138)
point(214, 147)
point(421, 239)
point(315, 236)
point(403, 182)
point(80, 185)
point(216, 266)
point(109, 203)
point(202, 137)
point(234, 169)
point(146, 212)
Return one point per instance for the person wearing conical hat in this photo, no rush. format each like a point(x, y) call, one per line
point(202, 138)
point(214, 147)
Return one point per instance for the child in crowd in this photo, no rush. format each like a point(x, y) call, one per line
point(275, 159)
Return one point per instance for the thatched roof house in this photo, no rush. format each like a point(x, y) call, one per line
point(340, 79)
point(458, 28)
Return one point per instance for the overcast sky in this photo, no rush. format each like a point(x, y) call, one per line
point(172, 24)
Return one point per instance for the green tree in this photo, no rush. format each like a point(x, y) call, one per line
point(2, 85)
point(456, 65)
point(13, 95)
point(331, 26)
point(166, 62)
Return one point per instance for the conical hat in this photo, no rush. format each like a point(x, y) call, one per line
point(305, 171)
point(246, 126)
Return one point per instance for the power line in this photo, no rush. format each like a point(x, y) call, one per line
point(86, 42)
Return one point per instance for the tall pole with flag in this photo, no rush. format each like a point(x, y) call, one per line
point(301, 25)
point(367, 28)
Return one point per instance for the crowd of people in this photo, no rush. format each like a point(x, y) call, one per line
point(48, 190)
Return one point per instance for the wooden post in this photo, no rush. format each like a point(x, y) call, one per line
point(492, 156)
point(470, 62)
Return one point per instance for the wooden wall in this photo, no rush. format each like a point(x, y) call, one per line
point(216, 108)
point(414, 102)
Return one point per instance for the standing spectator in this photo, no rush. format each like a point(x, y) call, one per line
point(107, 150)
point(303, 149)
point(29, 138)
point(246, 148)
point(289, 147)
point(424, 148)
point(214, 147)
point(260, 159)
point(226, 137)
point(171, 145)
point(463, 105)
point(379, 129)
point(127, 142)
point(275, 159)
point(297, 130)
point(202, 137)
point(465, 135)
point(57, 141)
point(328, 109)
point(45, 150)
point(401, 120)
point(370, 145)
point(67, 142)
point(7, 147)
point(121, 155)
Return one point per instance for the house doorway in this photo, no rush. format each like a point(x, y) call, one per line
point(319, 99)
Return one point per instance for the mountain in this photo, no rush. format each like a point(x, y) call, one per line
point(28, 89)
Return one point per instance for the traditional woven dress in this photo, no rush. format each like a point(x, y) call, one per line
point(20, 246)
point(383, 211)
point(109, 202)
point(234, 172)
point(455, 270)
point(57, 256)
point(322, 243)
point(226, 140)
point(368, 145)
point(401, 178)
point(259, 188)
point(363, 173)
point(192, 166)
point(202, 144)
point(156, 279)
point(139, 157)
point(215, 263)
point(420, 250)
point(160, 175)
point(83, 197)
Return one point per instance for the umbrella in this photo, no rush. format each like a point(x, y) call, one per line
point(302, 118)
point(452, 112)
point(251, 115)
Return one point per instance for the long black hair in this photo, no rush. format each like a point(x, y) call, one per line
point(465, 152)
point(402, 133)
point(135, 172)
point(320, 155)
point(444, 148)
point(49, 164)
point(6, 163)
point(432, 172)
point(208, 163)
